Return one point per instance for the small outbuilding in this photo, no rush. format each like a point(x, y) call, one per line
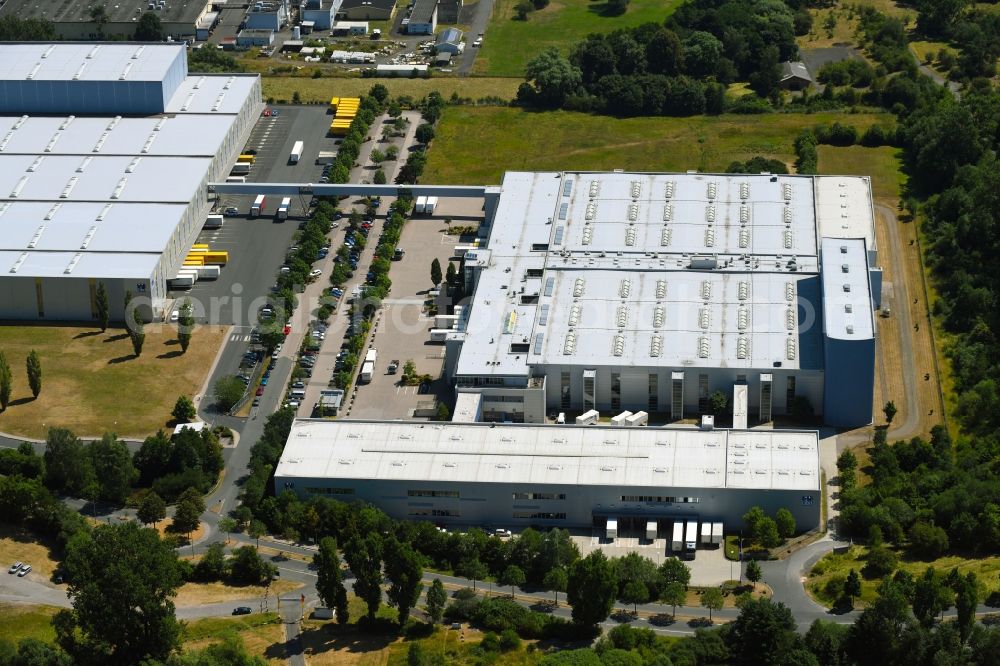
point(449, 41)
point(795, 76)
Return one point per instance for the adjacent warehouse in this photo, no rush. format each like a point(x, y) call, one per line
point(565, 476)
point(74, 20)
point(103, 176)
point(637, 291)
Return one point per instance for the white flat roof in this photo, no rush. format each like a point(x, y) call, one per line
point(77, 264)
point(87, 61)
point(212, 93)
point(844, 208)
point(848, 312)
point(561, 455)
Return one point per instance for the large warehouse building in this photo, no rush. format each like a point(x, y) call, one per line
point(642, 291)
point(105, 155)
point(565, 476)
point(75, 19)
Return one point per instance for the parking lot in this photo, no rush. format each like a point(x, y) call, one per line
point(403, 328)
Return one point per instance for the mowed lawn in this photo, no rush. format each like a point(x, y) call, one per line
point(321, 90)
point(509, 44)
point(92, 383)
point(20, 621)
point(882, 164)
point(475, 145)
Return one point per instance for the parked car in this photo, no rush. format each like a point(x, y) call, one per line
point(393, 366)
point(256, 402)
point(315, 273)
point(242, 610)
point(15, 567)
point(298, 385)
point(231, 210)
point(25, 569)
point(260, 391)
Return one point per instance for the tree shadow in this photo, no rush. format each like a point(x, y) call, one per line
point(121, 359)
point(20, 401)
point(623, 616)
point(700, 622)
point(170, 354)
point(116, 338)
point(172, 343)
point(662, 620)
point(543, 606)
point(331, 637)
point(608, 9)
point(86, 334)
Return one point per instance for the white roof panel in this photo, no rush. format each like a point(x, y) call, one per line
point(87, 61)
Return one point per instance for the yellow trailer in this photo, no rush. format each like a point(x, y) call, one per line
point(246, 159)
point(202, 246)
point(216, 258)
point(194, 260)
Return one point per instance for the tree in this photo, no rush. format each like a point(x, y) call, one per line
point(513, 576)
point(472, 569)
point(34, 367)
point(212, 565)
point(522, 9)
point(112, 464)
point(363, 555)
point(246, 566)
point(930, 597)
point(754, 572)
point(255, 531)
point(67, 466)
point(889, 409)
point(137, 332)
point(149, 28)
point(404, 571)
point(436, 600)
point(615, 7)
point(152, 509)
point(99, 15)
point(712, 600)
point(443, 413)
point(718, 403)
point(674, 594)
point(551, 78)
point(966, 601)
point(379, 177)
point(767, 533)
point(103, 306)
point(121, 578)
point(785, 523)
point(852, 586)
point(555, 580)
point(187, 514)
point(880, 562)
point(185, 325)
point(591, 589)
point(847, 466)
point(927, 541)
point(635, 592)
point(436, 272)
point(228, 525)
point(330, 579)
point(763, 633)
point(664, 54)
point(184, 410)
point(424, 133)
point(674, 571)
point(228, 391)
point(6, 382)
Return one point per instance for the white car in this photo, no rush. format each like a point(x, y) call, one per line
point(175, 315)
point(14, 568)
point(25, 568)
point(314, 273)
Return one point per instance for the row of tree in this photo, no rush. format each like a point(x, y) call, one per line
point(33, 368)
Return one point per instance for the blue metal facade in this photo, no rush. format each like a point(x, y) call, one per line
point(849, 382)
point(92, 97)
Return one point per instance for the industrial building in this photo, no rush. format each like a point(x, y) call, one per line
point(73, 20)
point(565, 476)
point(650, 291)
point(105, 154)
point(367, 10)
point(424, 18)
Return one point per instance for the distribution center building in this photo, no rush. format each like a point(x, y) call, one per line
point(106, 151)
point(565, 476)
point(650, 291)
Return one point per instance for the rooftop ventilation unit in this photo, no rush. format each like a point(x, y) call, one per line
point(713, 189)
point(17, 264)
point(93, 52)
point(624, 288)
point(188, 101)
point(574, 315)
point(630, 236)
point(743, 319)
point(633, 212)
point(6, 140)
point(48, 52)
point(622, 316)
point(16, 192)
point(669, 190)
point(69, 188)
point(588, 235)
point(786, 238)
point(38, 235)
point(661, 289)
point(85, 163)
point(104, 212)
point(159, 124)
point(659, 316)
point(199, 83)
point(66, 123)
point(790, 319)
point(138, 52)
point(703, 347)
point(218, 101)
point(100, 142)
point(668, 212)
point(789, 291)
point(848, 308)
point(20, 121)
point(119, 188)
point(790, 348)
point(88, 237)
point(33, 167)
point(656, 346)
point(619, 345)
point(79, 71)
point(744, 191)
point(124, 74)
point(744, 290)
point(595, 188)
point(73, 262)
point(114, 123)
point(52, 143)
point(636, 189)
point(569, 347)
point(744, 238)
point(710, 237)
point(229, 83)
point(510, 322)
point(786, 191)
point(567, 187)
point(665, 237)
point(149, 144)
point(578, 288)
point(133, 164)
point(591, 211)
point(34, 71)
point(704, 318)
point(710, 213)
point(847, 288)
point(52, 211)
point(845, 268)
point(706, 290)
point(742, 347)
point(850, 329)
point(786, 215)
point(744, 214)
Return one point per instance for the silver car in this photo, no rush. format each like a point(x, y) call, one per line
point(14, 567)
point(25, 568)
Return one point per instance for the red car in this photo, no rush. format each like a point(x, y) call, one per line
point(288, 329)
point(260, 390)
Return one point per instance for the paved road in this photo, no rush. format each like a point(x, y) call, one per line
point(484, 9)
point(953, 87)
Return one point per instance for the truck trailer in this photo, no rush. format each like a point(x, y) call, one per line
point(258, 205)
point(677, 542)
point(213, 222)
point(371, 356)
point(283, 208)
point(651, 530)
point(691, 539)
point(240, 169)
point(296, 153)
point(431, 205)
point(367, 370)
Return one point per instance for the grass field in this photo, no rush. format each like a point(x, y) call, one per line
point(560, 140)
point(509, 44)
point(262, 634)
point(321, 90)
point(834, 565)
point(92, 384)
point(19, 544)
point(882, 164)
point(194, 594)
point(18, 621)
